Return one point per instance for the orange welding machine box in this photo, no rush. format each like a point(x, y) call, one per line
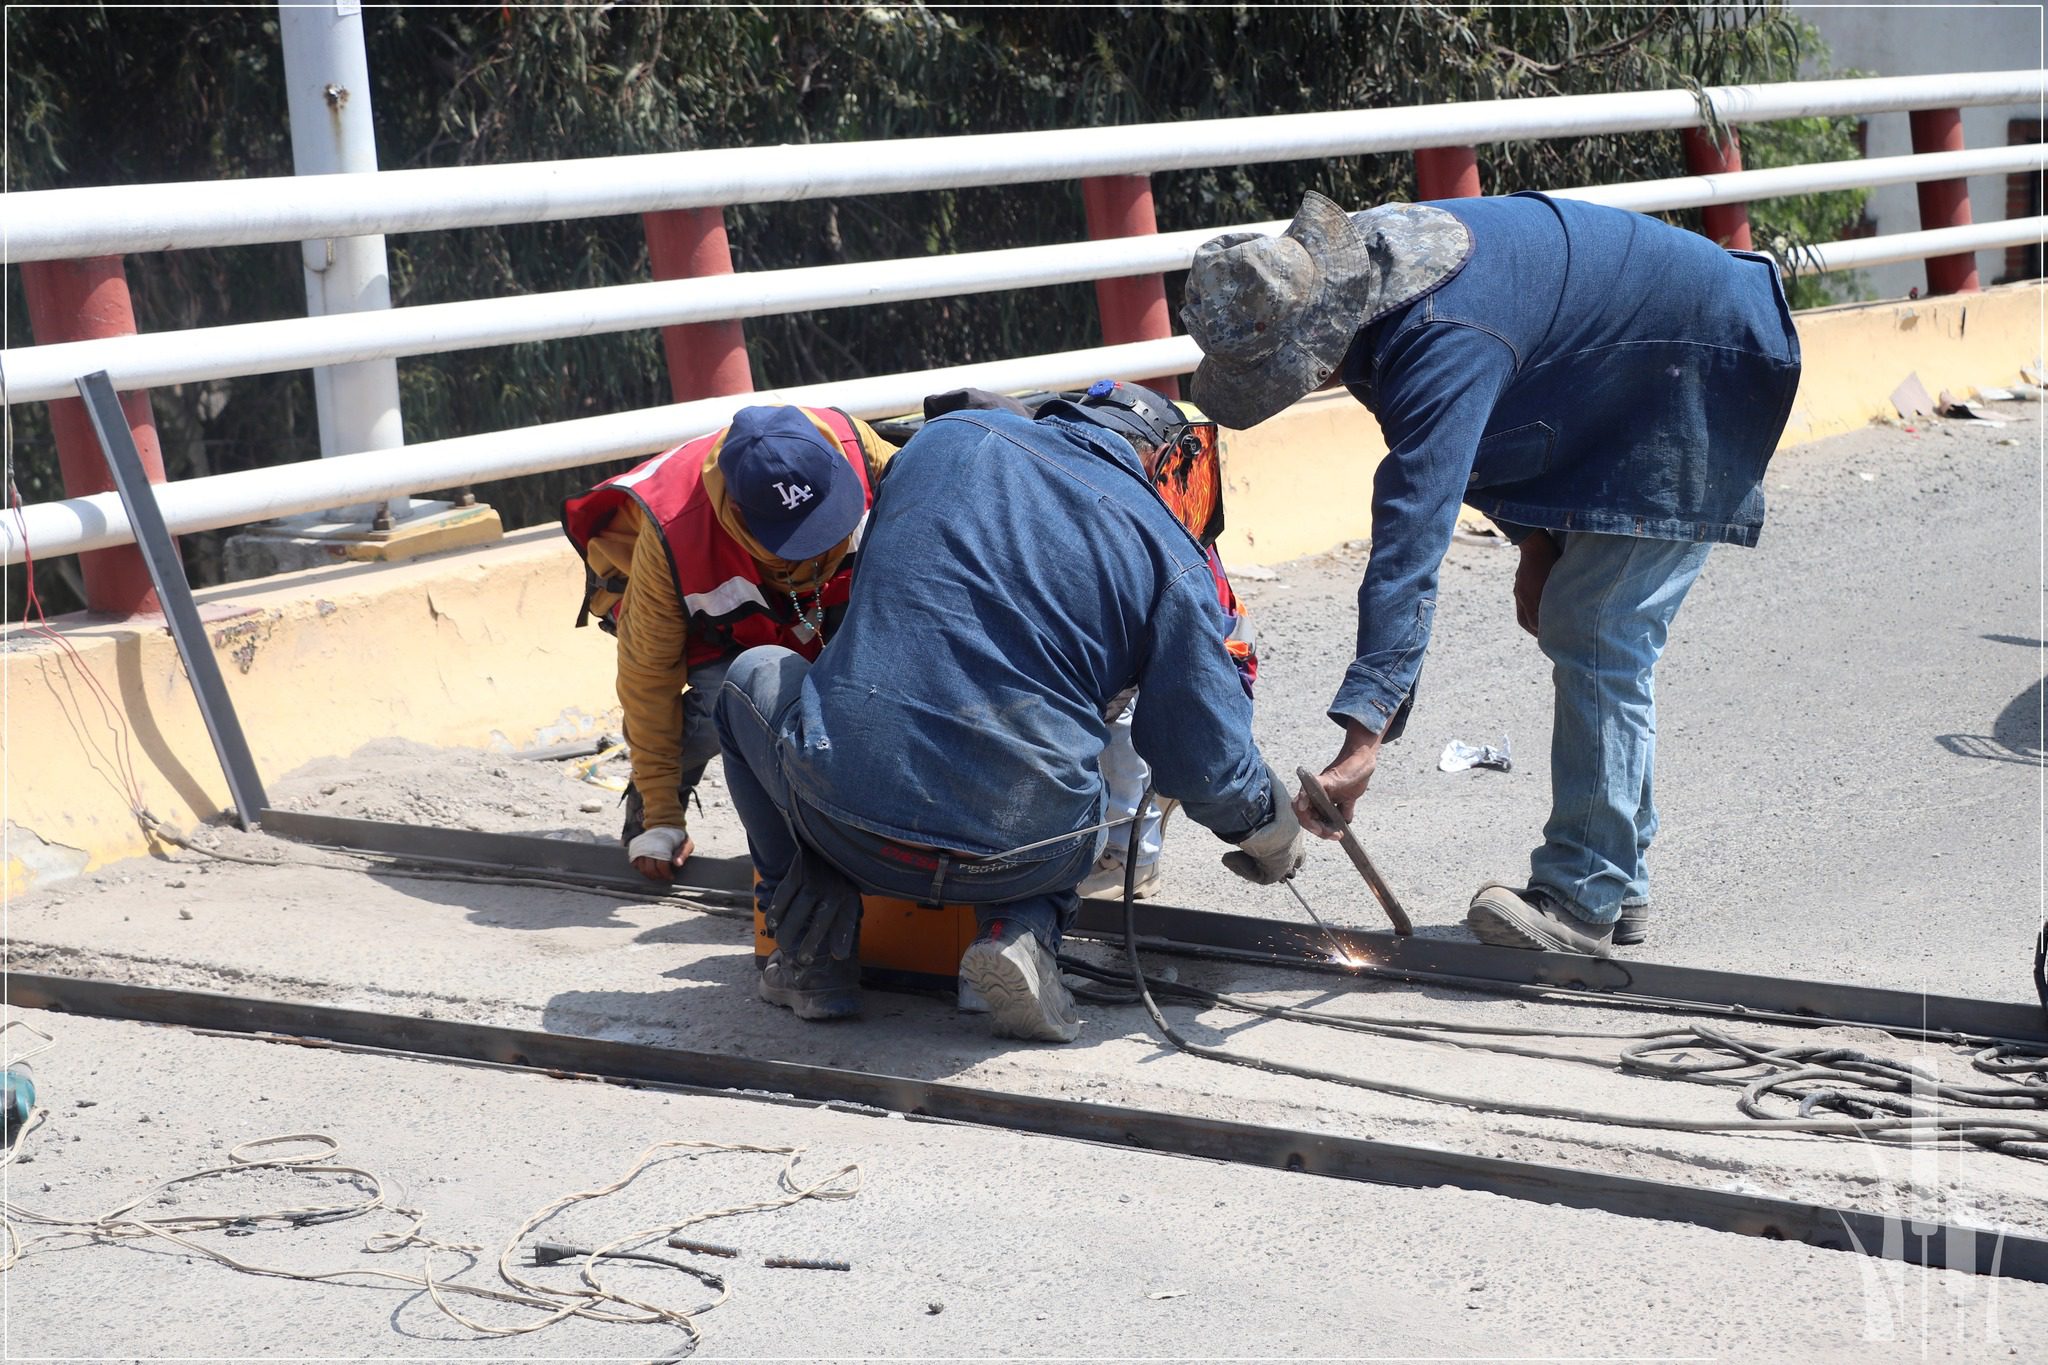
point(902, 943)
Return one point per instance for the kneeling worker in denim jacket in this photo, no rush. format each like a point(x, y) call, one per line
point(1607, 388)
point(1020, 575)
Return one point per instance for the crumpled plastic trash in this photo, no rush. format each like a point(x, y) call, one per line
point(1459, 756)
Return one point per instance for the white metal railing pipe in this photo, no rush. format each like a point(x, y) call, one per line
point(74, 525)
point(99, 221)
point(152, 360)
point(155, 359)
point(1742, 187)
point(1859, 252)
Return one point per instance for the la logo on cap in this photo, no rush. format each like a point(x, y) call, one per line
point(793, 494)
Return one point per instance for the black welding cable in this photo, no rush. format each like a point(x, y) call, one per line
point(2016, 1136)
point(1754, 1069)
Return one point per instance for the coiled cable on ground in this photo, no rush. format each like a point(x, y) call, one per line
point(1837, 1091)
point(315, 1157)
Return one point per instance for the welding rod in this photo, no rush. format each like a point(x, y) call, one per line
point(1337, 951)
point(702, 1248)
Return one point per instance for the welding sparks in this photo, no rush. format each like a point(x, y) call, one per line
point(1339, 954)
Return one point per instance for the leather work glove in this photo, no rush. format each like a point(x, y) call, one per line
point(816, 911)
point(1270, 853)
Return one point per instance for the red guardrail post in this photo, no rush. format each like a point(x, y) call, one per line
point(1724, 224)
point(1447, 173)
point(1132, 308)
point(1944, 203)
point(85, 300)
point(705, 359)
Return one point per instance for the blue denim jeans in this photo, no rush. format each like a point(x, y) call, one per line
point(761, 687)
point(700, 735)
point(1603, 620)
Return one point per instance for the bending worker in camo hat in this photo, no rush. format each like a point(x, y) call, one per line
point(1607, 388)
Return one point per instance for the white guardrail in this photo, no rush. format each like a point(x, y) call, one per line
point(61, 224)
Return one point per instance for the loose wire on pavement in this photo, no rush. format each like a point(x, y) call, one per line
point(596, 1300)
point(1869, 1097)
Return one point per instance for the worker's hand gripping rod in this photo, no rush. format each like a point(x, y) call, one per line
point(1381, 892)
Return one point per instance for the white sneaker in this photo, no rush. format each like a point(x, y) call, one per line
point(1107, 880)
point(1020, 983)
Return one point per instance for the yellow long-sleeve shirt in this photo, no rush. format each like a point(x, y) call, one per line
point(654, 633)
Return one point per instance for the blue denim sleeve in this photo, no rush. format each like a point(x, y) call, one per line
point(1193, 721)
point(1433, 389)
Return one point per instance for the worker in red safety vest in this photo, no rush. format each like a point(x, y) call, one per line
point(756, 532)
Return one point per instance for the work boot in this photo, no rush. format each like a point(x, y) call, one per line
point(1634, 924)
point(1534, 918)
point(1020, 982)
point(830, 989)
point(1107, 879)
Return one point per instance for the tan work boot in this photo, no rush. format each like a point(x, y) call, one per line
point(1534, 918)
point(1020, 982)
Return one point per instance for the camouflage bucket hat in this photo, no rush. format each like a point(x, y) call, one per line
point(1275, 315)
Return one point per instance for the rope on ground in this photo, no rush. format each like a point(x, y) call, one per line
point(595, 1301)
point(1836, 1091)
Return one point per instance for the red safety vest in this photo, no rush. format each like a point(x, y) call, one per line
point(717, 581)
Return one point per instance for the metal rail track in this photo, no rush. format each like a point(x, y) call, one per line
point(1942, 1246)
point(1279, 943)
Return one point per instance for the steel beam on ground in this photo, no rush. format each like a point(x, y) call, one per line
point(1333, 1155)
point(1280, 943)
point(601, 865)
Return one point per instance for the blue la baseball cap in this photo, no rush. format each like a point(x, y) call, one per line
point(796, 491)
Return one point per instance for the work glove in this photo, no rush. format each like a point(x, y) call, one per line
point(659, 846)
point(816, 911)
point(1270, 853)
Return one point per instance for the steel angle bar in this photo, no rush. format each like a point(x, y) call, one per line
point(174, 594)
point(1273, 942)
point(1984, 1252)
point(1461, 962)
point(598, 864)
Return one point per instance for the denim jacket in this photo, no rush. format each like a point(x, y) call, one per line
point(1588, 369)
point(1016, 576)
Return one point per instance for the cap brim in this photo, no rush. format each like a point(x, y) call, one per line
point(821, 527)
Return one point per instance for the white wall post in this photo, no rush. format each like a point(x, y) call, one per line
point(327, 77)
